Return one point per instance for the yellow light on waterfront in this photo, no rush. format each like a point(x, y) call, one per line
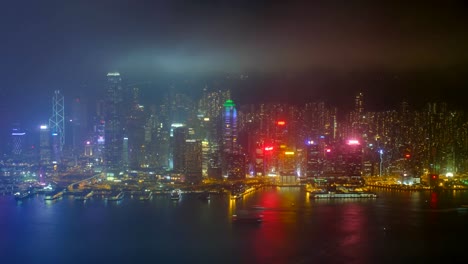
point(449, 174)
point(289, 153)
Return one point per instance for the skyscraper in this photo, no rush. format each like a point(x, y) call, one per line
point(193, 160)
point(113, 116)
point(179, 138)
point(135, 130)
point(44, 144)
point(233, 161)
point(78, 124)
point(57, 125)
point(230, 127)
point(314, 160)
point(17, 142)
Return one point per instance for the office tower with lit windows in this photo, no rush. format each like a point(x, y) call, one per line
point(150, 138)
point(193, 161)
point(233, 162)
point(159, 130)
point(18, 142)
point(99, 140)
point(210, 108)
point(114, 118)
point(44, 144)
point(288, 164)
point(352, 158)
point(357, 118)
point(235, 166)
point(88, 149)
point(180, 135)
point(230, 128)
point(78, 124)
point(314, 160)
point(135, 130)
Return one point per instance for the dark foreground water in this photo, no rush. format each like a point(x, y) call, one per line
point(397, 227)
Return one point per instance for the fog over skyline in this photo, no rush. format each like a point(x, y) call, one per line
point(319, 50)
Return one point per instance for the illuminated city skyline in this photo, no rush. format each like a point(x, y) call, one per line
point(351, 62)
point(136, 131)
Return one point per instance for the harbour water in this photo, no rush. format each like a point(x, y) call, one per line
point(396, 227)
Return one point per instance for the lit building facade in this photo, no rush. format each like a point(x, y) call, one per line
point(230, 132)
point(193, 161)
point(113, 116)
point(18, 141)
point(44, 145)
point(180, 135)
point(314, 160)
point(57, 125)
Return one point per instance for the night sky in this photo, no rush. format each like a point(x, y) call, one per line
point(320, 50)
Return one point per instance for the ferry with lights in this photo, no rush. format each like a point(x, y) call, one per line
point(22, 195)
point(247, 216)
point(85, 196)
point(332, 195)
point(54, 196)
point(146, 196)
point(117, 196)
point(341, 192)
point(176, 194)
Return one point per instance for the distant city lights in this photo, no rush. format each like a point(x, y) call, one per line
point(281, 123)
point(113, 74)
point(353, 142)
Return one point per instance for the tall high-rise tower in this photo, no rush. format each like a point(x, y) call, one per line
point(230, 127)
point(17, 142)
point(193, 160)
point(357, 117)
point(135, 130)
point(78, 125)
point(57, 124)
point(114, 116)
point(180, 136)
point(233, 164)
point(44, 145)
point(359, 103)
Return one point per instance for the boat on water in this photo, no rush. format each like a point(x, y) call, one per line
point(54, 196)
point(176, 194)
point(247, 216)
point(115, 196)
point(351, 194)
point(22, 195)
point(145, 196)
point(84, 197)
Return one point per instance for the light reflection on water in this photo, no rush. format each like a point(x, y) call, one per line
point(296, 229)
